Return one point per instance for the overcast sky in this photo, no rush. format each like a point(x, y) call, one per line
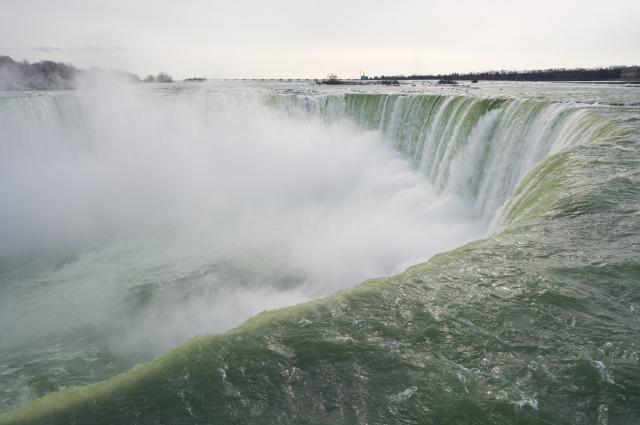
point(311, 38)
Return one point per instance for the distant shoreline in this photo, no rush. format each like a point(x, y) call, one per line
point(612, 73)
point(48, 75)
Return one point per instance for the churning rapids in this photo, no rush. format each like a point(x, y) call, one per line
point(193, 253)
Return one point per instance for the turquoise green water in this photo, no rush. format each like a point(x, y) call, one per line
point(536, 323)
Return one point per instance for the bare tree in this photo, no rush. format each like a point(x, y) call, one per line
point(163, 77)
point(332, 77)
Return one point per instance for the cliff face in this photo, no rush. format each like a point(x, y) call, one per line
point(49, 75)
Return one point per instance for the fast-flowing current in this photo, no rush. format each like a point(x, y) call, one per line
point(283, 252)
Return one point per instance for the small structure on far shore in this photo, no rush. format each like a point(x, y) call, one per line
point(332, 79)
point(631, 75)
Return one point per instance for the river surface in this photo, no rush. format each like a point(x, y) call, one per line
point(195, 252)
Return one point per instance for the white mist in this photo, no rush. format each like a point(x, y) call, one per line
point(186, 214)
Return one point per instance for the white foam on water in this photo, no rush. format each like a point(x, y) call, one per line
point(605, 374)
point(531, 402)
point(404, 395)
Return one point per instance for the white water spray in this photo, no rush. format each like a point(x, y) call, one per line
point(169, 216)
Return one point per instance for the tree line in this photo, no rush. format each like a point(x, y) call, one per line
point(49, 75)
point(553, 74)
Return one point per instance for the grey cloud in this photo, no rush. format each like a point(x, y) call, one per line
point(92, 48)
point(99, 48)
point(49, 48)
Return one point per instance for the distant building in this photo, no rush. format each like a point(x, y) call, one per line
point(631, 75)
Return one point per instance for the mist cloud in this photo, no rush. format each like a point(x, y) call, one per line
point(92, 48)
point(222, 206)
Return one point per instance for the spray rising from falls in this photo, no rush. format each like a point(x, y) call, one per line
point(180, 215)
point(149, 218)
point(478, 148)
